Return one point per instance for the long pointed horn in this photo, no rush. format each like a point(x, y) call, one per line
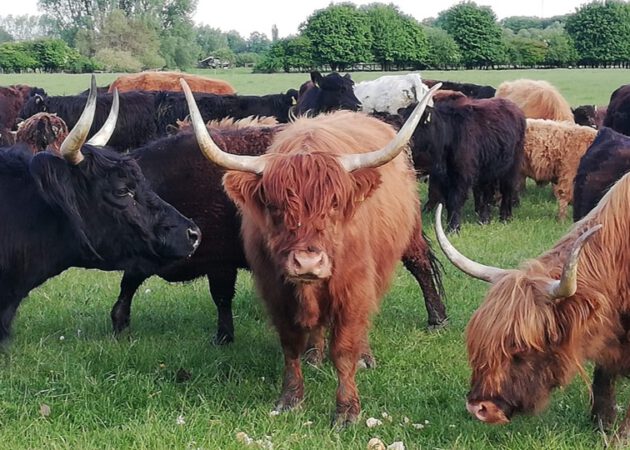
point(390, 151)
point(211, 150)
point(566, 286)
point(71, 146)
point(468, 266)
point(107, 130)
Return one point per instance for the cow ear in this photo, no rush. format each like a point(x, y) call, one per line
point(244, 189)
point(365, 183)
point(55, 184)
point(316, 78)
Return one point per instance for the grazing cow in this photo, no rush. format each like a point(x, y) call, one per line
point(605, 162)
point(389, 93)
point(169, 81)
point(538, 99)
point(326, 93)
point(326, 214)
point(468, 89)
point(171, 107)
point(618, 114)
point(136, 122)
point(89, 208)
point(469, 143)
point(42, 131)
point(540, 324)
point(179, 173)
point(590, 115)
point(552, 153)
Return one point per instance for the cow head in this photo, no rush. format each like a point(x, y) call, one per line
point(520, 341)
point(301, 199)
point(585, 115)
point(326, 93)
point(42, 131)
point(118, 221)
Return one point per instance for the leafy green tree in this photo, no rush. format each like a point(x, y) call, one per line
point(443, 51)
point(524, 51)
point(475, 30)
point(247, 59)
point(117, 60)
point(16, 57)
point(298, 53)
point(5, 36)
point(258, 42)
point(236, 42)
point(601, 32)
point(274, 60)
point(413, 47)
point(210, 39)
point(387, 33)
point(561, 50)
point(23, 27)
point(340, 34)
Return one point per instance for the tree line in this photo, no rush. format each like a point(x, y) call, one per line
point(132, 35)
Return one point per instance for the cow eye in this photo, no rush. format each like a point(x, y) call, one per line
point(122, 192)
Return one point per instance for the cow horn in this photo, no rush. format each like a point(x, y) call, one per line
point(567, 284)
point(71, 145)
point(390, 151)
point(105, 133)
point(211, 150)
point(468, 266)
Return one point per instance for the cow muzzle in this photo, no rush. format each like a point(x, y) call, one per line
point(306, 265)
point(487, 412)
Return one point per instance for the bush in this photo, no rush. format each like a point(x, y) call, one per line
point(117, 61)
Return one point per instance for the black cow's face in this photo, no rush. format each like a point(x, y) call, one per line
point(327, 93)
point(36, 104)
point(119, 221)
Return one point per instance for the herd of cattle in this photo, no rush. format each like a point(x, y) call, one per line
point(320, 201)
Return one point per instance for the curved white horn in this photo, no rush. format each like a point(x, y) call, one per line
point(468, 266)
point(566, 286)
point(71, 146)
point(390, 151)
point(254, 164)
point(107, 130)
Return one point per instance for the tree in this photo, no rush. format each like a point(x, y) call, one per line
point(298, 53)
point(340, 34)
point(601, 32)
point(5, 36)
point(443, 51)
point(524, 51)
point(210, 39)
point(258, 42)
point(561, 51)
point(24, 27)
point(387, 33)
point(274, 33)
point(236, 42)
point(476, 32)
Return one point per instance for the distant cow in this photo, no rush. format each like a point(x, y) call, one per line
point(42, 131)
point(326, 93)
point(12, 99)
point(552, 153)
point(618, 115)
point(590, 115)
point(538, 99)
point(136, 121)
point(468, 89)
point(471, 143)
point(605, 162)
point(171, 107)
point(169, 81)
point(541, 323)
point(326, 215)
point(389, 93)
point(89, 208)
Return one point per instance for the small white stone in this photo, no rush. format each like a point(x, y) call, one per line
point(180, 420)
point(275, 412)
point(376, 444)
point(398, 445)
point(417, 426)
point(372, 422)
point(406, 420)
point(308, 423)
point(61, 338)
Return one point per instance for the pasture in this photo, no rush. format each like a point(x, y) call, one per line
point(67, 382)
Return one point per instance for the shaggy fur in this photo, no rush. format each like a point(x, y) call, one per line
point(590, 115)
point(521, 344)
point(42, 131)
point(12, 99)
point(552, 152)
point(389, 93)
point(618, 115)
point(361, 221)
point(229, 123)
point(169, 81)
point(538, 99)
point(468, 89)
point(606, 160)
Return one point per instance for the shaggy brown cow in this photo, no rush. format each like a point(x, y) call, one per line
point(552, 152)
point(538, 99)
point(169, 81)
point(539, 324)
point(42, 131)
point(326, 214)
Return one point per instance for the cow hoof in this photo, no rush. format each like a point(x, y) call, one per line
point(367, 361)
point(604, 420)
point(222, 339)
point(288, 403)
point(314, 356)
point(341, 421)
point(438, 325)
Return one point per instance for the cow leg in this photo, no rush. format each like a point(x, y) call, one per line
point(121, 311)
point(484, 199)
point(366, 358)
point(345, 350)
point(8, 308)
point(316, 344)
point(603, 411)
point(293, 340)
point(508, 196)
point(222, 284)
point(454, 204)
point(423, 265)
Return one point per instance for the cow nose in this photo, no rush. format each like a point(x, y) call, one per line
point(487, 411)
point(309, 263)
point(194, 236)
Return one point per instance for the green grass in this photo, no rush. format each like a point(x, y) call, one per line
point(108, 393)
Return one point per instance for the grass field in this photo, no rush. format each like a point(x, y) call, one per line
point(129, 392)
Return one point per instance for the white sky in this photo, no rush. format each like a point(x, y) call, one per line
point(246, 16)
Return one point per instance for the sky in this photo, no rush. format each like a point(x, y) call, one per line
point(246, 16)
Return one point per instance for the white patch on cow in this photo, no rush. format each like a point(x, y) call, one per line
point(390, 92)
